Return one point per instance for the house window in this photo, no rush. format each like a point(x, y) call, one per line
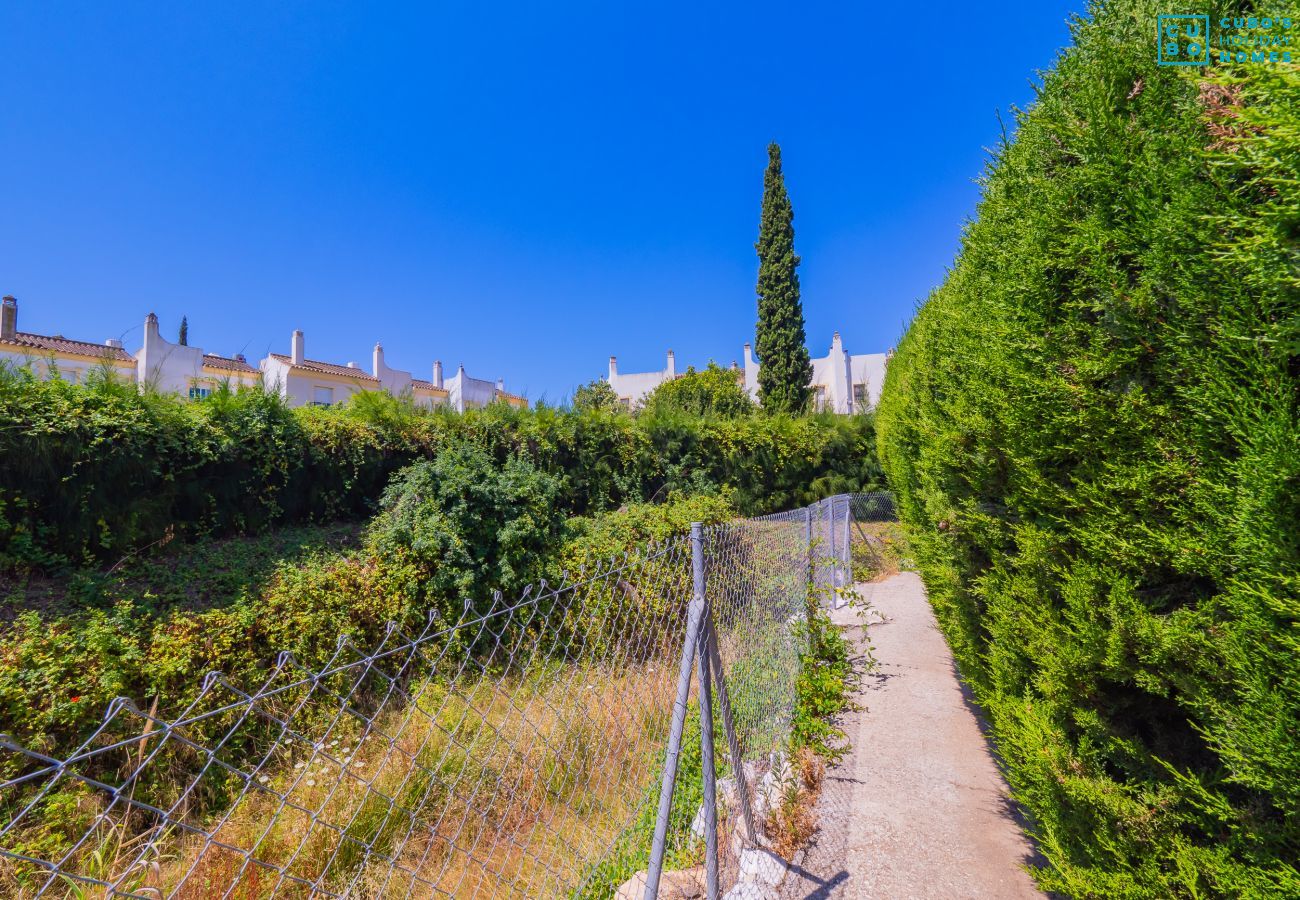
point(199, 392)
point(819, 399)
point(322, 396)
point(861, 397)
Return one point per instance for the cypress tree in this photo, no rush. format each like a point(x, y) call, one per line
point(184, 337)
point(785, 372)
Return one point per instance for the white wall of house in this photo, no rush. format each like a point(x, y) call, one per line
point(395, 381)
point(304, 382)
point(167, 367)
point(189, 371)
point(465, 392)
point(633, 387)
point(47, 356)
point(841, 383)
point(868, 379)
point(75, 369)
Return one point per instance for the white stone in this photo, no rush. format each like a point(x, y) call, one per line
point(762, 866)
point(748, 890)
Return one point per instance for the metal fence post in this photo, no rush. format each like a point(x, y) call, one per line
point(847, 556)
point(710, 806)
point(694, 618)
point(831, 545)
point(807, 540)
point(830, 536)
point(729, 725)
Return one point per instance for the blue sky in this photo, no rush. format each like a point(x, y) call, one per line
point(521, 188)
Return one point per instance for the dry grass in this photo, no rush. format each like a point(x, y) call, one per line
point(879, 550)
point(499, 787)
point(792, 822)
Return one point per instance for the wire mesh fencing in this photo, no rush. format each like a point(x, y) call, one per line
point(578, 740)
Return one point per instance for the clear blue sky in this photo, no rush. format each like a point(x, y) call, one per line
point(522, 188)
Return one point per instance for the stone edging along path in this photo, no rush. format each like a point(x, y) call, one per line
point(918, 808)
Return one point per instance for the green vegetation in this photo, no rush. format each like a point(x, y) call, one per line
point(714, 392)
point(92, 473)
point(1092, 432)
point(780, 342)
point(596, 395)
point(824, 689)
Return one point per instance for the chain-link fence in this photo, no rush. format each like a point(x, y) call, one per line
point(578, 740)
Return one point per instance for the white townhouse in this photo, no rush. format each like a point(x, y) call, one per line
point(192, 372)
point(841, 383)
point(50, 356)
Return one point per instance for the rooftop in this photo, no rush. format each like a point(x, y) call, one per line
point(212, 361)
point(325, 368)
point(59, 344)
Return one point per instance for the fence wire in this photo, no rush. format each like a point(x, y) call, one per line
point(519, 751)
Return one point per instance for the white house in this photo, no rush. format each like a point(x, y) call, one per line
point(466, 392)
point(191, 372)
point(633, 387)
point(181, 369)
point(841, 383)
point(303, 381)
point(50, 355)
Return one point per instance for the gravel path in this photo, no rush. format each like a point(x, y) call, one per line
point(918, 808)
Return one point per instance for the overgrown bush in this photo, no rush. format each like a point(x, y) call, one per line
point(1092, 430)
point(713, 392)
point(471, 526)
point(91, 473)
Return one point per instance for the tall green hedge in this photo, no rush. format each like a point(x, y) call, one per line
point(1092, 430)
point(91, 473)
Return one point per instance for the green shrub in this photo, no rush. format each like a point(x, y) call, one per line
point(1091, 430)
point(596, 394)
point(470, 525)
point(827, 682)
point(714, 392)
point(91, 473)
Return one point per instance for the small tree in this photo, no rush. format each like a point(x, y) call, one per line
point(598, 394)
point(184, 338)
point(781, 344)
point(715, 391)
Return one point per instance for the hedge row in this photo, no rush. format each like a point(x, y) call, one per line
point(1093, 430)
point(91, 473)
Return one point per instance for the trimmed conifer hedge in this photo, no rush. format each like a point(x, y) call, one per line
point(1092, 430)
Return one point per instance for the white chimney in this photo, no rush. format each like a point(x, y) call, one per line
point(437, 373)
point(353, 365)
point(613, 367)
point(9, 319)
point(113, 342)
point(377, 360)
point(672, 365)
point(296, 350)
point(501, 384)
point(836, 345)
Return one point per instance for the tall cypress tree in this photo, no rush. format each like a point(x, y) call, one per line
point(184, 337)
point(785, 369)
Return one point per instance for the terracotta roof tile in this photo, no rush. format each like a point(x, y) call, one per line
point(426, 385)
point(311, 365)
point(64, 345)
point(213, 361)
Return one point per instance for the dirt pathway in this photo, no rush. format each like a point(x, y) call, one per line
point(918, 809)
